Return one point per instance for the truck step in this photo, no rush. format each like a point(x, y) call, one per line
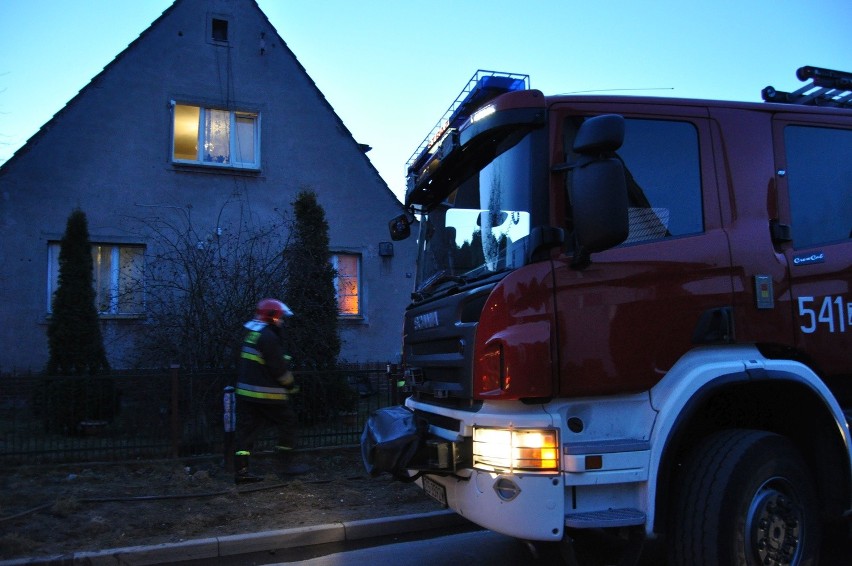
point(604, 519)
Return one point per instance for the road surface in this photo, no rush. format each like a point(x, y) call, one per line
point(484, 548)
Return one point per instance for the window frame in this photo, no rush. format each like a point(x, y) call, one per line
point(212, 28)
point(234, 116)
point(359, 295)
point(114, 309)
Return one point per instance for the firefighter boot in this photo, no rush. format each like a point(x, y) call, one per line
point(241, 469)
point(287, 466)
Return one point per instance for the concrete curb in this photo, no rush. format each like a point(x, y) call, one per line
point(234, 545)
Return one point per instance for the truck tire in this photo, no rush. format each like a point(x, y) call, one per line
point(744, 497)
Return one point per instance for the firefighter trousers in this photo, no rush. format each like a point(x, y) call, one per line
point(255, 418)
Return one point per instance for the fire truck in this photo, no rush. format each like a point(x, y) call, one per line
point(633, 316)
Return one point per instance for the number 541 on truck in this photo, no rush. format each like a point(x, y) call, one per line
point(632, 315)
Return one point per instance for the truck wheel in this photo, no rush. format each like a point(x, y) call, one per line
point(744, 497)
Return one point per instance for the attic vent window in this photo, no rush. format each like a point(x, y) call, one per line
point(220, 30)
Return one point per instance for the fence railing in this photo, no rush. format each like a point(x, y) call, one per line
point(170, 414)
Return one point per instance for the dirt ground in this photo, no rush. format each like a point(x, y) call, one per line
point(55, 510)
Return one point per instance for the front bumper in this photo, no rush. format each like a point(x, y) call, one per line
point(525, 506)
point(522, 504)
point(601, 480)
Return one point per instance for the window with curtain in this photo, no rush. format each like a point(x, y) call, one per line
point(210, 136)
point(347, 283)
point(117, 277)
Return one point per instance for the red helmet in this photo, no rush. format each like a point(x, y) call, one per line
point(271, 311)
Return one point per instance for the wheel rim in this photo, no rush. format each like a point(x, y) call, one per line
point(774, 524)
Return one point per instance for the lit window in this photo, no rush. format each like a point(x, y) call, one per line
point(347, 283)
point(216, 137)
point(117, 277)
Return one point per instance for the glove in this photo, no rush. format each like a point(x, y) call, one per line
point(286, 379)
point(289, 383)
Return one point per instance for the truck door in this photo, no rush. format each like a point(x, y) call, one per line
point(814, 175)
point(627, 317)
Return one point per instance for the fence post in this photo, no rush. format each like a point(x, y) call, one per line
point(175, 411)
point(230, 418)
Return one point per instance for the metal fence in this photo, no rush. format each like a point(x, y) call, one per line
point(170, 414)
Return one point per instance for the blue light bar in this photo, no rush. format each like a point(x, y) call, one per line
point(482, 87)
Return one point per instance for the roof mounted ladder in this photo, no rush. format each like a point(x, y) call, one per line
point(827, 88)
point(483, 86)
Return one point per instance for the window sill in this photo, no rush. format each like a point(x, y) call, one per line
point(197, 167)
point(139, 316)
point(107, 318)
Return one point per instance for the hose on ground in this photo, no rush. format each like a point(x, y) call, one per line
point(161, 497)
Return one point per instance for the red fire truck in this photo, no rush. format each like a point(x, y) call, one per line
point(632, 315)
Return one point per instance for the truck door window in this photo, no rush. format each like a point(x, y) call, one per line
point(663, 179)
point(819, 177)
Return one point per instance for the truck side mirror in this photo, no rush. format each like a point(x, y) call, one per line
point(400, 227)
point(598, 188)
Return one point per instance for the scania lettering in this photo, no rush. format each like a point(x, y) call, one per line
point(632, 316)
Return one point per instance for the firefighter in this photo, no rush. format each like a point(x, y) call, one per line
point(264, 389)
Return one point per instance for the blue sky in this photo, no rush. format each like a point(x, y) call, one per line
point(391, 68)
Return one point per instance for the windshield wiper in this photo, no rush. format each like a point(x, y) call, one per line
point(480, 271)
point(430, 285)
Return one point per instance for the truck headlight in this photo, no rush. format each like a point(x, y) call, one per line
point(528, 450)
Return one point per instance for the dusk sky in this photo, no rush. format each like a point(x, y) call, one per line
point(391, 68)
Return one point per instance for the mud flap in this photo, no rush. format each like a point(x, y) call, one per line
point(390, 439)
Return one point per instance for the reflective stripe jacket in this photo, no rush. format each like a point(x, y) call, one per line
point(262, 362)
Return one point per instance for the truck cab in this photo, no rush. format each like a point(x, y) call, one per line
point(617, 294)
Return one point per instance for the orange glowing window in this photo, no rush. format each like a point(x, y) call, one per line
point(347, 282)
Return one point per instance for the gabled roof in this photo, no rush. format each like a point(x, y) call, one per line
point(33, 140)
point(46, 126)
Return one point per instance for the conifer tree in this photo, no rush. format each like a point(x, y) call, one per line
point(74, 334)
point(312, 332)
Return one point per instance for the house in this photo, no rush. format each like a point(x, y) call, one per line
point(208, 115)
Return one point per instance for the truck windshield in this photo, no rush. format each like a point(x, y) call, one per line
point(482, 227)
